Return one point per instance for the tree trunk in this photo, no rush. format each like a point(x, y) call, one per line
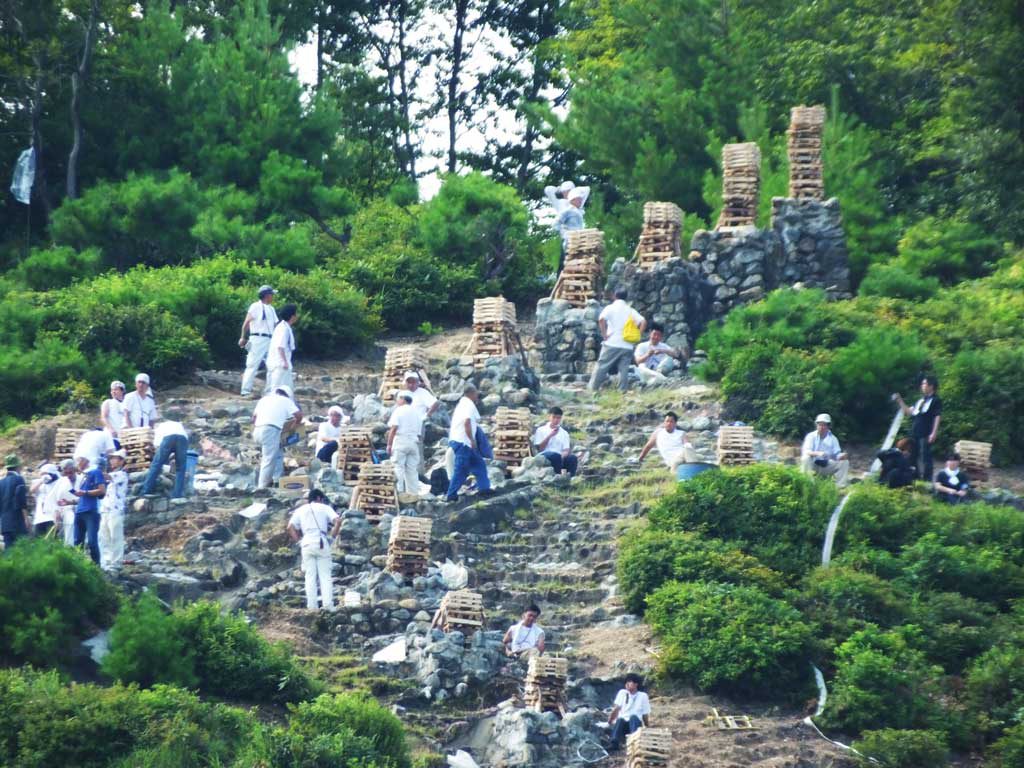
point(461, 14)
point(78, 79)
point(406, 100)
point(39, 187)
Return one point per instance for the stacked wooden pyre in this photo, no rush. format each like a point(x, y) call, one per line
point(461, 611)
point(545, 683)
point(137, 443)
point(375, 493)
point(741, 184)
point(584, 264)
point(396, 363)
point(735, 446)
point(65, 442)
point(409, 546)
point(512, 435)
point(976, 459)
point(494, 331)
point(355, 448)
point(649, 748)
point(659, 239)
point(804, 145)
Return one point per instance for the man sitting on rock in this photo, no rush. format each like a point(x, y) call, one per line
point(631, 711)
point(671, 443)
point(821, 454)
point(554, 444)
point(328, 432)
point(654, 358)
point(525, 639)
point(951, 484)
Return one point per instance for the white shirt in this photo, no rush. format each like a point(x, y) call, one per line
point(166, 429)
point(116, 497)
point(559, 442)
point(829, 444)
point(283, 338)
point(659, 356)
point(94, 444)
point(327, 432)
point(525, 637)
point(422, 400)
point(631, 704)
point(62, 490)
point(314, 521)
point(46, 503)
point(273, 411)
point(669, 444)
point(409, 421)
point(614, 316)
point(115, 413)
point(142, 410)
point(262, 319)
point(466, 409)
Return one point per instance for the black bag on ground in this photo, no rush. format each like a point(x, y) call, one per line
point(439, 481)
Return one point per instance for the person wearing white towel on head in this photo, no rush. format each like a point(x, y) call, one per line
point(568, 201)
point(45, 516)
point(821, 454)
point(140, 406)
point(314, 526)
point(671, 444)
point(282, 344)
point(405, 428)
point(272, 414)
point(424, 401)
point(328, 433)
point(257, 328)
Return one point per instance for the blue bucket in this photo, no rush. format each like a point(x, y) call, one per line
point(686, 472)
point(191, 464)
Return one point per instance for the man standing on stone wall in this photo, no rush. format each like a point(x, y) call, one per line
point(621, 326)
point(257, 328)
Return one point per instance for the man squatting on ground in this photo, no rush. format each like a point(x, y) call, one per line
point(821, 455)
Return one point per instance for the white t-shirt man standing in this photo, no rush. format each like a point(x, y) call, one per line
point(257, 328)
point(616, 352)
point(314, 526)
point(282, 345)
point(405, 428)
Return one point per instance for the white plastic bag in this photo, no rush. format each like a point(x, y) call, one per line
point(462, 760)
point(24, 176)
point(455, 576)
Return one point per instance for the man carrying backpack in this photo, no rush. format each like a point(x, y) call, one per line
point(621, 328)
point(313, 526)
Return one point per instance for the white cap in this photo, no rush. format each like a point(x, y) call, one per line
point(49, 469)
point(335, 409)
point(66, 465)
point(286, 389)
point(411, 375)
point(121, 454)
point(822, 417)
point(264, 289)
point(142, 377)
point(565, 186)
point(117, 383)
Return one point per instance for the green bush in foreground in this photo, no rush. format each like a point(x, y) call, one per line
point(363, 716)
point(147, 647)
point(1008, 751)
point(50, 596)
point(724, 637)
point(903, 749)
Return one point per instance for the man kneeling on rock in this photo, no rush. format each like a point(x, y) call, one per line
point(525, 639)
point(631, 711)
point(554, 444)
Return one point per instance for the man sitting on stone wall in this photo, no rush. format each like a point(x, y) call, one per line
point(655, 359)
point(631, 712)
point(821, 454)
point(554, 443)
point(525, 639)
point(671, 444)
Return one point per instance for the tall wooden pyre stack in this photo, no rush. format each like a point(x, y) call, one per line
point(741, 184)
point(806, 125)
point(659, 239)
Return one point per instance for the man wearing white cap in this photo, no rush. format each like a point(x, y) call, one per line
point(257, 328)
point(171, 441)
point(569, 209)
point(423, 401)
point(45, 516)
point(112, 410)
point(821, 454)
point(112, 507)
point(328, 432)
point(405, 428)
point(140, 405)
point(272, 414)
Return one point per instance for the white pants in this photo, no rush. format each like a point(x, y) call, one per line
point(278, 377)
point(111, 539)
point(268, 437)
point(258, 346)
point(839, 469)
point(405, 455)
point(69, 526)
point(686, 456)
point(316, 564)
point(656, 375)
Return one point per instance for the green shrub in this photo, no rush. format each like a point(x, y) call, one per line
point(1008, 751)
point(363, 716)
point(276, 747)
point(881, 681)
point(994, 685)
point(903, 749)
point(774, 513)
point(50, 595)
point(724, 637)
point(45, 270)
point(948, 250)
point(954, 628)
point(882, 518)
point(147, 647)
point(987, 573)
point(648, 558)
point(895, 282)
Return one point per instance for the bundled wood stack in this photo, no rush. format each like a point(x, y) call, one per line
point(584, 264)
point(494, 331)
point(461, 611)
point(355, 448)
point(396, 362)
point(545, 683)
point(659, 239)
point(735, 445)
point(512, 433)
point(804, 145)
point(375, 492)
point(648, 747)
point(64, 443)
point(409, 546)
point(137, 442)
point(741, 184)
point(976, 459)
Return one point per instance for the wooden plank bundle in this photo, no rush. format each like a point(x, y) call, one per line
point(804, 147)
point(355, 448)
point(648, 747)
point(659, 238)
point(512, 433)
point(494, 331)
point(64, 443)
point(375, 492)
point(735, 445)
point(396, 362)
point(462, 611)
point(741, 184)
point(545, 683)
point(137, 442)
point(580, 279)
point(409, 546)
point(976, 459)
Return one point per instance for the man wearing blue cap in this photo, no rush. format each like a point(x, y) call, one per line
point(257, 328)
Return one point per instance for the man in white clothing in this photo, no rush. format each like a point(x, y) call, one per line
point(328, 432)
point(567, 201)
point(282, 345)
point(45, 516)
point(821, 454)
point(313, 526)
point(65, 500)
point(112, 507)
point(95, 445)
point(654, 358)
point(671, 444)
point(631, 711)
point(112, 410)
point(462, 440)
point(406, 426)
point(257, 328)
point(554, 444)
point(140, 406)
point(616, 352)
point(273, 413)
point(171, 442)
point(526, 638)
point(424, 401)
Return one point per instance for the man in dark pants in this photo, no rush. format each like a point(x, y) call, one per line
point(631, 711)
point(91, 488)
point(13, 503)
point(171, 441)
point(927, 415)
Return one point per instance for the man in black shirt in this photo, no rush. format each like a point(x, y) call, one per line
point(926, 414)
point(13, 501)
point(951, 483)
